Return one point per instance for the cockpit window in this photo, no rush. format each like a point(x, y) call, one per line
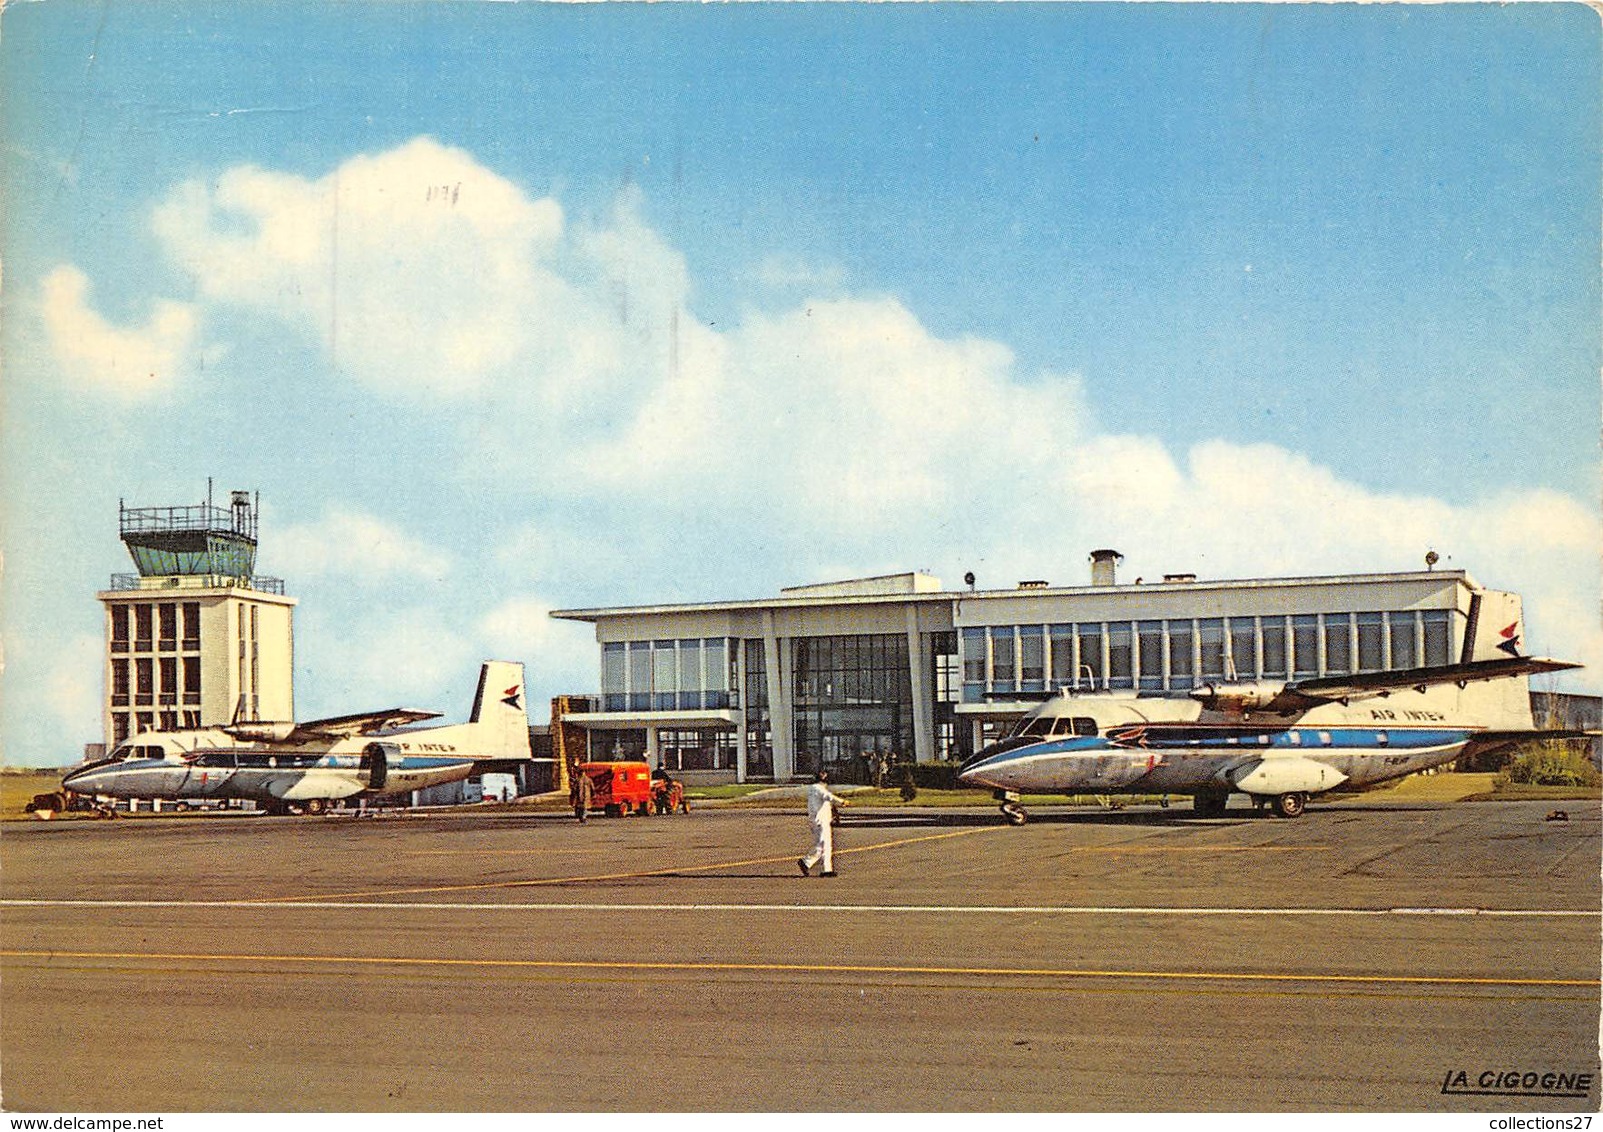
point(1040, 725)
point(1074, 725)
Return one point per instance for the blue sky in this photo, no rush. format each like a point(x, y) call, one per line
point(512, 307)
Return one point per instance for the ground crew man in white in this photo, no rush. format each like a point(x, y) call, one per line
point(821, 812)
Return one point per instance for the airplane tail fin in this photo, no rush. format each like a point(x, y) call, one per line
point(500, 708)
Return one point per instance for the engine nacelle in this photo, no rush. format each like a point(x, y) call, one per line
point(1249, 695)
point(373, 771)
point(261, 731)
point(1293, 775)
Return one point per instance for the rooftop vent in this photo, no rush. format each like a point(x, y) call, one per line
point(1179, 578)
point(1103, 564)
point(1034, 584)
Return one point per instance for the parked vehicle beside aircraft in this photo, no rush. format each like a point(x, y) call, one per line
point(303, 767)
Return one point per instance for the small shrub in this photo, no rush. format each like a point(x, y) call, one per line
point(909, 787)
point(1551, 765)
point(935, 776)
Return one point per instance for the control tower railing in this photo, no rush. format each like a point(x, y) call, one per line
point(259, 583)
point(239, 521)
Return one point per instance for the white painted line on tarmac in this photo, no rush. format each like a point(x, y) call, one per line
point(888, 909)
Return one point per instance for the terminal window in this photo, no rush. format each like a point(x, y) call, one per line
point(1172, 655)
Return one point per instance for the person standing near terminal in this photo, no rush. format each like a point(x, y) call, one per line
point(581, 794)
point(821, 812)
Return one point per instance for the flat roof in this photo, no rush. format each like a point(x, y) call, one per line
point(789, 600)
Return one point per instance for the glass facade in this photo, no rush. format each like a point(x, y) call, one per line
point(701, 748)
point(759, 726)
point(854, 697)
point(679, 675)
point(1178, 654)
point(617, 746)
point(849, 697)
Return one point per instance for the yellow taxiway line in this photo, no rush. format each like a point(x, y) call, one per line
point(879, 969)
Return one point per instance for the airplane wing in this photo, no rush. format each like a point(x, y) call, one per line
point(362, 723)
point(1304, 694)
point(334, 727)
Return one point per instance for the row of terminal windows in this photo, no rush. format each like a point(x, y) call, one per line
point(1179, 654)
point(675, 675)
point(154, 626)
point(677, 749)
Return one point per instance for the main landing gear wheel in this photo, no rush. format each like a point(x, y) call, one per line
point(1014, 813)
point(315, 806)
point(1290, 805)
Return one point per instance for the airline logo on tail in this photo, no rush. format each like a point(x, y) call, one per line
point(1511, 640)
point(511, 698)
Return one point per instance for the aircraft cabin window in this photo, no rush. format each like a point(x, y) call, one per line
point(1382, 738)
point(1324, 738)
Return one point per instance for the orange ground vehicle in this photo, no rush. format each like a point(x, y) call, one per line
point(668, 795)
point(618, 788)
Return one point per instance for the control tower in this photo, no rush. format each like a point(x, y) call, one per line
point(196, 637)
point(199, 541)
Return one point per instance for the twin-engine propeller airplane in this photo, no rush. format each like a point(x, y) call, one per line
point(1279, 743)
point(303, 767)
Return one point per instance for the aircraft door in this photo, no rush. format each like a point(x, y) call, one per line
point(374, 768)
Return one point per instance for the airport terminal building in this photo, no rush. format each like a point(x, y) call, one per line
point(824, 675)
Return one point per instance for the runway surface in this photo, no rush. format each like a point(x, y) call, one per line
point(1354, 959)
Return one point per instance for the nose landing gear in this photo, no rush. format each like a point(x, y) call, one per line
point(1011, 810)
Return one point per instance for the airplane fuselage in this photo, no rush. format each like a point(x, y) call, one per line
point(1106, 743)
point(283, 763)
point(212, 764)
point(1180, 759)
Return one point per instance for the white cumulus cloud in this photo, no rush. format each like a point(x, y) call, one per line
point(356, 545)
point(92, 351)
point(838, 429)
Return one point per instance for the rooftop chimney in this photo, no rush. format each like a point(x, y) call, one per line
point(1103, 564)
